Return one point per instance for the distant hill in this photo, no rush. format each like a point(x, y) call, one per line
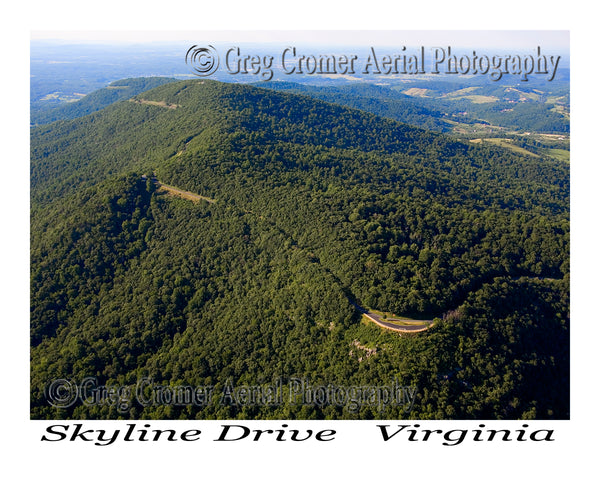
point(97, 100)
point(379, 100)
point(452, 106)
point(317, 208)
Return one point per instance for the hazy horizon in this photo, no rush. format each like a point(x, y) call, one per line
point(478, 39)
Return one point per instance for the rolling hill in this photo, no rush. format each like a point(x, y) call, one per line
point(97, 100)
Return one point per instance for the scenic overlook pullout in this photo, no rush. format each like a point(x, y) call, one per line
point(356, 245)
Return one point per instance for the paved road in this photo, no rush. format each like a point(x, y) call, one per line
point(392, 326)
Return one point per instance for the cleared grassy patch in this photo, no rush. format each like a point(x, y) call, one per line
point(399, 319)
point(506, 143)
point(416, 92)
point(162, 104)
point(468, 94)
point(476, 128)
point(183, 194)
point(558, 154)
point(525, 95)
point(481, 98)
point(462, 92)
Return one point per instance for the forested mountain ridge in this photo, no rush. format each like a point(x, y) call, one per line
point(97, 100)
point(227, 113)
point(453, 105)
point(382, 101)
point(317, 206)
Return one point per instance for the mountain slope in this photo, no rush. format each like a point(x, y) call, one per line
point(447, 106)
point(97, 100)
point(379, 100)
point(318, 207)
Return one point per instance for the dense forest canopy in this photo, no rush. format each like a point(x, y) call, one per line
point(319, 208)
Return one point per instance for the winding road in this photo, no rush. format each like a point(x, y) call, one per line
point(377, 319)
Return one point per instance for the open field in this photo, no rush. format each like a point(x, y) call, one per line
point(416, 92)
point(558, 154)
point(478, 98)
point(504, 142)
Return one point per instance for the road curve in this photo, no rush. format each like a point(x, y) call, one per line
point(375, 318)
point(398, 328)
